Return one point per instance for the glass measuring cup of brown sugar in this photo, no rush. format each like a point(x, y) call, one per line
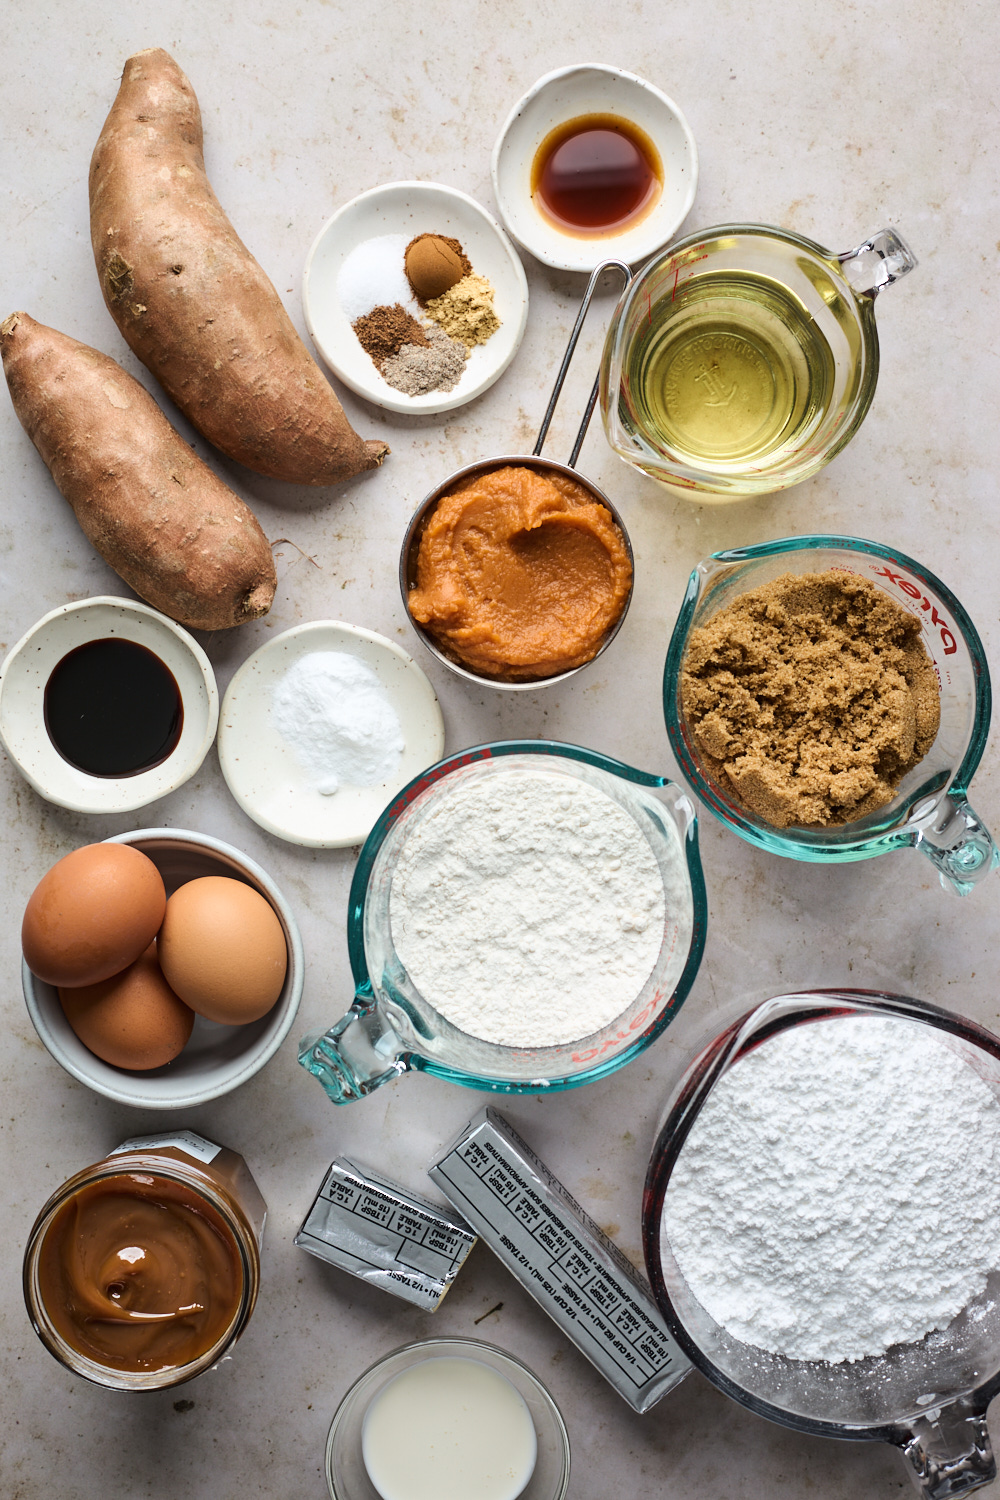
point(929, 809)
point(744, 358)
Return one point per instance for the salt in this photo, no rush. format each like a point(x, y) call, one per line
point(338, 720)
point(373, 276)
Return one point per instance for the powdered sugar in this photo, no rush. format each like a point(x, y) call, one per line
point(335, 714)
point(528, 908)
point(840, 1190)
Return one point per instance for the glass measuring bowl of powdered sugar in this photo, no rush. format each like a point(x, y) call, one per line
point(827, 1180)
point(526, 915)
point(929, 808)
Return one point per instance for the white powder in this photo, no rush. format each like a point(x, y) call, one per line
point(373, 276)
point(840, 1190)
point(335, 714)
point(528, 908)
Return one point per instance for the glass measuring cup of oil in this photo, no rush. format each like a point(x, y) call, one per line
point(744, 358)
point(928, 1398)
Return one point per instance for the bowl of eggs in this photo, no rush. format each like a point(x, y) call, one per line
point(162, 968)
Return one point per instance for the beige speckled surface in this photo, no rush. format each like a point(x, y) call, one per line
point(830, 120)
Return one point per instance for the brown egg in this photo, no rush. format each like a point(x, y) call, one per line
point(92, 914)
point(132, 1020)
point(222, 949)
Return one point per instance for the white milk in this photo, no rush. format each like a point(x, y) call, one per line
point(449, 1429)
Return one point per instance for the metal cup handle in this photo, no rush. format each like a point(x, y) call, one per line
point(606, 265)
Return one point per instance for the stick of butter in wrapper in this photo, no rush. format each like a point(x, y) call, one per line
point(387, 1236)
point(559, 1255)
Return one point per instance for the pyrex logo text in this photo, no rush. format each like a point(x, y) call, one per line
point(947, 638)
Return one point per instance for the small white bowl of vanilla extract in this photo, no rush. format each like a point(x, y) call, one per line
point(106, 705)
point(594, 162)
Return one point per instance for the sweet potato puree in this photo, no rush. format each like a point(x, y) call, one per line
point(520, 573)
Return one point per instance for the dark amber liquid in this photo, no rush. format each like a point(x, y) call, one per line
point(113, 709)
point(596, 175)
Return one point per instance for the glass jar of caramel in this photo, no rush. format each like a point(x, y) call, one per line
point(142, 1270)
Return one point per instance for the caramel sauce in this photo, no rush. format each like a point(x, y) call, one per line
point(139, 1272)
point(596, 175)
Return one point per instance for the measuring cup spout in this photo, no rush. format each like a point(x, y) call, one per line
point(957, 843)
point(357, 1055)
point(948, 1451)
point(877, 263)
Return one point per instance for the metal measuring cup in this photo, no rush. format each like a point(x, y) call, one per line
point(414, 532)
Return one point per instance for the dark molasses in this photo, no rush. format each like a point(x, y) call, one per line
point(113, 709)
point(596, 175)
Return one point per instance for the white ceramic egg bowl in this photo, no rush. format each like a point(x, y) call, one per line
point(217, 1058)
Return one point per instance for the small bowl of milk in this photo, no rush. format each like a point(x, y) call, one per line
point(445, 1419)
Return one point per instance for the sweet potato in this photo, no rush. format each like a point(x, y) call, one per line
point(191, 301)
point(151, 508)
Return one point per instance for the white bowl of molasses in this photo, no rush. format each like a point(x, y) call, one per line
point(594, 162)
point(106, 705)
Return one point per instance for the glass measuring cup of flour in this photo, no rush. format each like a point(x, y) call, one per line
point(930, 810)
point(929, 1399)
point(408, 556)
point(391, 1028)
point(744, 358)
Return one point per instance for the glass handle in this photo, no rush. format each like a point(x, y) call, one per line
point(957, 843)
point(878, 262)
point(948, 1452)
point(356, 1056)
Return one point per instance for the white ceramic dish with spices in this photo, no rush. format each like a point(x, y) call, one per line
point(928, 1397)
point(593, 89)
point(408, 209)
point(217, 1058)
point(289, 766)
point(28, 669)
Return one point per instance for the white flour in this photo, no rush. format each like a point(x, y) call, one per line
point(336, 716)
point(840, 1191)
point(528, 908)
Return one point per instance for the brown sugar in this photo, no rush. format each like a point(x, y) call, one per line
point(811, 697)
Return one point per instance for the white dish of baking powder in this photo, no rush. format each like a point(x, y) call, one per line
point(839, 1191)
point(321, 727)
point(528, 908)
point(337, 717)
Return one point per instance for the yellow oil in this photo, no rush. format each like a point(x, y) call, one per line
point(731, 369)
